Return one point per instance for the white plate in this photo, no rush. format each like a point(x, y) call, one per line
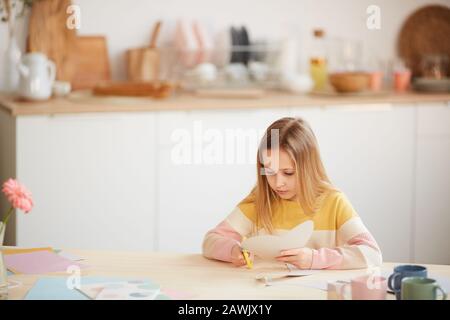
point(269, 246)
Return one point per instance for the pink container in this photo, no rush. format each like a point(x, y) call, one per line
point(375, 80)
point(402, 80)
point(367, 287)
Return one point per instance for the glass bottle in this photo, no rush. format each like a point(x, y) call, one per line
point(318, 60)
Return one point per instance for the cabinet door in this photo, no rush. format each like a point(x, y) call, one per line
point(197, 192)
point(93, 180)
point(432, 200)
point(368, 152)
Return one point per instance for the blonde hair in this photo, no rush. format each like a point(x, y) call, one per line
point(297, 139)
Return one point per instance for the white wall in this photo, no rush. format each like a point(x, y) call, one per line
point(128, 23)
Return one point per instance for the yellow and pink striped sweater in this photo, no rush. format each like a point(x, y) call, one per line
point(339, 240)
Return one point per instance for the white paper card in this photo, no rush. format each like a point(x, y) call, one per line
point(269, 246)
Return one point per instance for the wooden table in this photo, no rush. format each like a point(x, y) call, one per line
point(202, 278)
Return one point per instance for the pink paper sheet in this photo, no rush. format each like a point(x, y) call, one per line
point(38, 262)
point(176, 295)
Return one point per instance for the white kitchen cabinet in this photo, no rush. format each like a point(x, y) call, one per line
point(117, 181)
point(195, 197)
point(432, 194)
point(93, 180)
point(368, 152)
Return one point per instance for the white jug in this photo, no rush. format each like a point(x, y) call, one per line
point(37, 74)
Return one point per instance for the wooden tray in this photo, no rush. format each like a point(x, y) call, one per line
point(134, 89)
point(426, 31)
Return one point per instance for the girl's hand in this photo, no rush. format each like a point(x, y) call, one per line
point(237, 257)
point(300, 257)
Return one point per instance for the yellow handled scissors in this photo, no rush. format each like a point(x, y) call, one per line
point(247, 257)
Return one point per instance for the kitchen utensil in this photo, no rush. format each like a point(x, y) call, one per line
point(235, 55)
point(431, 85)
point(140, 89)
point(402, 79)
point(90, 62)
point(435, 66)
point(375, 80)
point(223, 48)
point(61, 88)
point(297, 83)
point(349, 81)
point(367, 287)
point(143, 63)
point(205, 43)
point(426, 31)
point(421, 288)
point(186, 44)
point(47, 33)
point(37, 74)
point(246, 43)
point(403, 271)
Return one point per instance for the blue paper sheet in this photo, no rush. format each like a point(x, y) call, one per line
point(55, 288)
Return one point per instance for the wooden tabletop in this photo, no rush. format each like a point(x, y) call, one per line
point(201, 278)
point(84, 101)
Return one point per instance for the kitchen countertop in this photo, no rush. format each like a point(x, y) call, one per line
point(84, 102)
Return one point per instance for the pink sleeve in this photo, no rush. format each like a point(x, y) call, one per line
point(219, 241)
point(347, 256)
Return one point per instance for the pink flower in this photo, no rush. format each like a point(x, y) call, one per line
point(18, 195)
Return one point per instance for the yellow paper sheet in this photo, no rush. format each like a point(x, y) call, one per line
point(27, 250)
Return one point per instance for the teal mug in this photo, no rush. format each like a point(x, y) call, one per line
point(420, 288)
point(403, 271)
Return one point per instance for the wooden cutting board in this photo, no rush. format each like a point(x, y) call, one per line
point(143, 63)
point(90, 62)
point(81, 60)
point(47, 33)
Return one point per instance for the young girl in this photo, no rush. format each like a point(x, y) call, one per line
point(293, 187)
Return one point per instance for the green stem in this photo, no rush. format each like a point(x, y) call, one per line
point(8, 215)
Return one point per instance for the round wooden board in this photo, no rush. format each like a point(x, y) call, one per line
point(425, 31)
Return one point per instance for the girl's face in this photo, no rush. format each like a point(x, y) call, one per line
point(282, 178)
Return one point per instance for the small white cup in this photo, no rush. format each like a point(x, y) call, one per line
point(61, 88)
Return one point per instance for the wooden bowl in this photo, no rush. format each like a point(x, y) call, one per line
point(349, 81)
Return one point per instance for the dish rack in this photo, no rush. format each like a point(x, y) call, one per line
point(256, 66)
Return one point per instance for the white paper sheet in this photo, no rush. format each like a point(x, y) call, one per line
point(269, 246)
point(121, 290)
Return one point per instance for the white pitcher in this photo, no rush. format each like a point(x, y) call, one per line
point(37, 75)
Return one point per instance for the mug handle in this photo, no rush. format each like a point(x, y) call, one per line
point(52, 70)
point(391, 281)
point(444, 294)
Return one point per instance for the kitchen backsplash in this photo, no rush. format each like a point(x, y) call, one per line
point(128, 23)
